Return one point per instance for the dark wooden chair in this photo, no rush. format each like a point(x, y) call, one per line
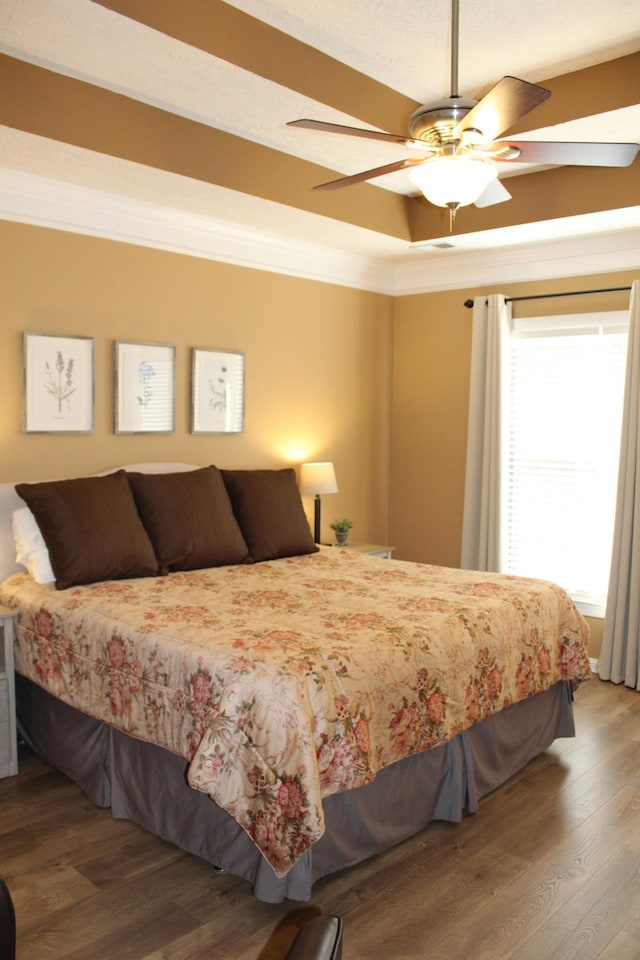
point(8, 924)
point(319, 939)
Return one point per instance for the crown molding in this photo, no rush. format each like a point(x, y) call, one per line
point(522, 262)
point(45, 202)
point(604, 252)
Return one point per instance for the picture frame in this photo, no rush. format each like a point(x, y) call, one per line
point(144, 387)
point(217, 391)
point(58, 392)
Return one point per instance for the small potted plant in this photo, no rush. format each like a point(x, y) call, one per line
point(341, 529)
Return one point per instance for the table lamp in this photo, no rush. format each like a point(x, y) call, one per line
point(317, 478)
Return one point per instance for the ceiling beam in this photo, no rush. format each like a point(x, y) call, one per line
point(223, 31)
point(586, 93)
point(71, 111)
point(539, 195)
point(543, 195)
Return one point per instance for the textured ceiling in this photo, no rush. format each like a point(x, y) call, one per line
point(246, 67)
point(405, 44)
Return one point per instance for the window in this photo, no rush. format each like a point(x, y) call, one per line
point(564, 389)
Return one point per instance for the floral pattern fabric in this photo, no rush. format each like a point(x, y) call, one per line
point(286, 681)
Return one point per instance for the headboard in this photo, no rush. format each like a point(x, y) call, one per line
point(10, 501)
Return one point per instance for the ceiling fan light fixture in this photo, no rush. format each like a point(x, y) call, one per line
point(453, 180)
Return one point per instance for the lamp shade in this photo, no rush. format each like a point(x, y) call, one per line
point(454, 180)
point(317, 478)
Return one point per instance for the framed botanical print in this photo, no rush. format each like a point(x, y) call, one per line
point(58, 383)
point(217, 391)
point(144, 387)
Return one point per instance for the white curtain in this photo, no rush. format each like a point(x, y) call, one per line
point(483, 480)
point(620, 654)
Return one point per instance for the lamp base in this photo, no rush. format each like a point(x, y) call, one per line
point(316, 518)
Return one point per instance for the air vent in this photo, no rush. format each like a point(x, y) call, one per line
point(437, 245)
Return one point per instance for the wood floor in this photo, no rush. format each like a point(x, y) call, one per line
point(548, 869)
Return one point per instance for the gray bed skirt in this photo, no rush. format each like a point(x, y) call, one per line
point(146, 784)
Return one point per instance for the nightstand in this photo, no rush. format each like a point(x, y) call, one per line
point(373, 549)
point(8, 738)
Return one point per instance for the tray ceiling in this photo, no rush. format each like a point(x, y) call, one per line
point(183, 107)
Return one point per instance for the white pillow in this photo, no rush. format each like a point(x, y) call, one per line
point(31, 550)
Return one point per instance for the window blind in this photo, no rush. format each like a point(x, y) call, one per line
point(562, 443)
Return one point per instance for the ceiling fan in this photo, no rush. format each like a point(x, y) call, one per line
point(457, 153)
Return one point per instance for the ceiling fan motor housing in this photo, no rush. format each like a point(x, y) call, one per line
point(434, 122)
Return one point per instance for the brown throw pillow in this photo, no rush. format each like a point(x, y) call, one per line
point(189, 518)
point(91, 528)
point(269, 510)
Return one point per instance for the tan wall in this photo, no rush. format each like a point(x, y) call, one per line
point(432, 355)
point(317, 362)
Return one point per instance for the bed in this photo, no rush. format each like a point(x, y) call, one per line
point(196, 663)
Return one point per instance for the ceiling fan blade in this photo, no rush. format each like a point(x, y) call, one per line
point(369, 174)
point(576, 154)
point(495, 192)
point(357, 132)
point(506, 102)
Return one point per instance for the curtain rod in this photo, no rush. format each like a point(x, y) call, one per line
point(545, 296)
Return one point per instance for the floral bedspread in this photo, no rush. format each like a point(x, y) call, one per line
point(286, 681)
